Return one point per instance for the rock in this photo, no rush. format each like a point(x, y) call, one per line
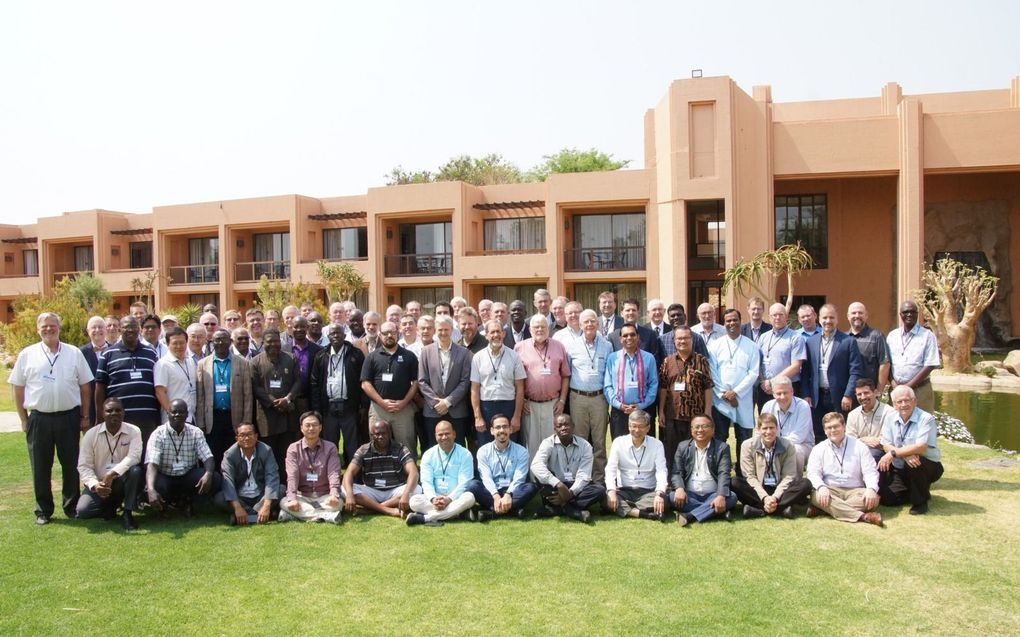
point(996, 463)
point(980, 365)
point(1002, 371)
point(1012, 361)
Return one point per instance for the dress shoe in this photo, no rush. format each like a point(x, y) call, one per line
point(522, 514)
point(41, 520)
point(128, 522)
point(728, 516)
point(582, 515)
point(873, 517)
point(921, 509)
point(813, 511)
point(650, 515)
point(482, 515)
point(788, 513)
point(752, 512)
point(683, 519)
point(547, 511)
point(415, 518)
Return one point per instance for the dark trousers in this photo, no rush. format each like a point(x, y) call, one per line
point(183, 487)
point(796, 493)
point(521, 496)
point(124, 489)
point(589, 495)
point(673, 433)
point(222, 434)
point(489, 409)
point(826, 403)
point(460, 428)
point(47, 431)
point(342, 422)
point(897, 486)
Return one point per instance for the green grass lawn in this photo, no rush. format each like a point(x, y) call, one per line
point(953, 571)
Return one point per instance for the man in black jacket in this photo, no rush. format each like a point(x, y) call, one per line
point(335, 390)
point(701, 475)
point(251, 479)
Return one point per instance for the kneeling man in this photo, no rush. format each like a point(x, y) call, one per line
point(770, 482)
point(388, 475)
point(109, 463)
point(636, 472)
point(912, 460)
point(563, 467)
point(313, 476)
point(502, 487)
point(251, 478)
point(446, 470)
point(844, 476)
point(701, 475)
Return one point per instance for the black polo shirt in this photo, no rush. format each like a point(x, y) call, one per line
point(391, 375)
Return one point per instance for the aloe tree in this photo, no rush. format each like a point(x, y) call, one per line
point(341, 280)
point(762, 271)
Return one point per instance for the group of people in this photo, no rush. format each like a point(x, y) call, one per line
point(294, 416)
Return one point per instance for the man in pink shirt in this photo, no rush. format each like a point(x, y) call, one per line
point(546, 385)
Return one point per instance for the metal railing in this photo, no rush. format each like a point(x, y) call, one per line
point(253, 270)
point(194, 274)
point(419, 264)
point(603, 259)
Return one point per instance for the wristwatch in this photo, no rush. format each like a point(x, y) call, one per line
point(893, 453)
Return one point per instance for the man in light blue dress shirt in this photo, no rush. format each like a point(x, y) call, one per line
point(446, 470)
point(502, 487)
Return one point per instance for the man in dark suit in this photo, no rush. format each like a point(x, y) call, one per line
point(517, 330)
point(608, 320)
point(756, 326)
point(701, 492)
point(335, 389)
point(444, 379)
point(646, 337)
point(251, 479)
point(832, 369)
point(96, 329)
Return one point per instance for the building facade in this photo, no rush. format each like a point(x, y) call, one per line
point(872, 187)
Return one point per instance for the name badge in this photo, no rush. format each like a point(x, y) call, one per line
point(178, 467)
point(545, 371)
point(568, 476)
point(442, 485)
point(380, 483)
point(275, 384)
point(503, 483)
point(589, 374)
point(387, 378)
point(680, 386)
point(136, 374)
point(222, 388)
point(311, 476)
point(630, 384)
point(768, 360)
point(48, 377)
point(840, 478)
point(769, 482)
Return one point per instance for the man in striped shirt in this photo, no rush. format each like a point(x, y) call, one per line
point(125, 371)
point(386, 472)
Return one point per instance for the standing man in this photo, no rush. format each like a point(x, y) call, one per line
point(915, 353)
point(386, 472)
point(844, 477)
point(288, 314)
point(559, 313)
point(469, 335)
point(769, 483)
point(835, 366)
point(701, 475)
point(782, 354)
point(588, 352)
point(315, 331)
point(393, 314)
point(756, 325)
point(871, 345)
point(251, 479)
point(96, 329)
point(657, 318)
point(867, 421)
point(175, 375)
point(734, 368)
point(444, 379)
point(151, 331)
point(196, 345)
point(445, 309)
point(497, 384)
point(484, 311)
point(223, 394)
point(685, 391)
point(563, 466)
point(707, 328)
point(912, 461)
point(390, 380)
point(313, 477)
point(609, 322)
point(210, 323)
point(338, 315)
point(303, 351)
point(126, 371)
point(109, 464)
point(647, 340)
point(276, 383)
point(413, 308)
point(631, 382)
point(808, 321)
point(502, 487)
point(794, 417)
point(499, 313)
point(546, 382)
point(517, 329)
point(370, 338)
point(255, 321)
point(51, 393)
point(572, 328)
point(636, 472)
point(409, 335)
point(542, 301)
point(336, 390)
point(677, 316)
point(446, 470)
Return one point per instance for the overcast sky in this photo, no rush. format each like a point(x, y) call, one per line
point(126, 106)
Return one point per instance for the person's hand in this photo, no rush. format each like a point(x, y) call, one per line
point(240, 515)
point(333, 502)
point(480, 424)
point(885, 462)
point(84, 424)
point(264, 512)
point(870, 499)
point(281, 404)
point(872, 442)
point(659, 505)
point(719, 504)
point(527, 408)
point(405, 501)
point(562, 496)
point(679, 498)
point(769, 503)
point(730, 396)
point(807, 399)
point(612, 501)
point(392, 406)
point(441, 407)
point(440, 502)
point(766, 386)
point(155, 501)
point(350, 505)
point(102, 490)
point(204, 484)
point(515, 424)
point(913, 461)
point(558, 407)
point(846, 403)
point(823, 497)
point(294, 505)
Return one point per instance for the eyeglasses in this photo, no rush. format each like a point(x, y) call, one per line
point(628, 335)
point(209, 324)
point(389, 333)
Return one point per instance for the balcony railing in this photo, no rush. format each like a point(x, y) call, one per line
point(419, 264)
point(253, 270)
point(194, 274)
point(603, 259)
point(498, 252)
point(57, 276)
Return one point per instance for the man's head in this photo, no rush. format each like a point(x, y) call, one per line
point(864, 389)
point(857, 315)
point(908, 315)
point(904, 400)
point(388, 335)
point(656, 311)
point(112, 329)
point(827, 317)
point(539, 328)
point(629, 337)
point(756, 309)
point(444, 436)
point(255, 320)
point(443, 309)
point(542, 301)
point(500, 312)
point(138, 310)
point(444, 329)
point(231, 319)
point(241, 340)
point(196, 338)
point(834, 426)
point(706, 315)
point(168, 321)
point(299, 329)
point(273, 319)
point(572, 312)
point(178, 413)
point(768, 429)
point(372, 323)
point(381, 433)
point(676, 314)
point(778, 316)
point(151, 328)
point(630, 311)
point(311, 426)
point(210, 308)
point(414, 309)
point(306, 307)
point(408, 328)
point(638, 423)
point(702, 429)
point(96, 329)
point(426, 328)
point(177, 342)
point(494, 334)
point(337, 313)
point(564, 428)
point(484, 310)
point(335, 334)
point(782, 391)
point(589, 321)
point(500, 426)
point(517, 312)
point(393, 314)
point(559, 310)
point(683, 339)
point(731, 321)
point(247, 436)
point(314, 325)
point(221, 343)
point(607, 303)
point(468, 319)
point(114, 413)
point(210, 323)
point(457, 303)
point(288, 315)
point(356, 323)
point(129, 329)
point(271, 342)
point(807, 318)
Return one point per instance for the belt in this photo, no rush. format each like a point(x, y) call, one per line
point(544, 401)
point(56, 413)
point(586, 393)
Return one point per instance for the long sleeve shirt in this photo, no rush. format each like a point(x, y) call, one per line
point(101, 452)
point(313, 470)
point(446, 474)
point(849, 466)
point(734, 365)
point(502, 469)
point(630, 379)
point(641, 467)
point(555, 463)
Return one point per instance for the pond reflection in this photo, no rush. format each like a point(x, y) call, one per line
point(988, 416)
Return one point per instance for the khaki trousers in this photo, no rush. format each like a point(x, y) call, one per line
point(845, 505)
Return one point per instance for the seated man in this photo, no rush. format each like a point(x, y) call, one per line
point(446, 470)
point(251, 478)
point(563, 467)
point(770, 482)
point(386, 472)
point(313, 476)
point(502, 487)
point(172, 474)
point(794, 417)
point(636, 472)
point(843, 475)
point(701, 475)
point(912, 460)
point(109, 463)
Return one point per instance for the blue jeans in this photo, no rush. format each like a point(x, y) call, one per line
point(700, 506)
point(521, 495)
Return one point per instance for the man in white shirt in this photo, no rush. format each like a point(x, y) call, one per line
point(636, 472)
point(707, 328)
point(174, 375)
point(843, 475)
point(109, 464)
point(914, 351)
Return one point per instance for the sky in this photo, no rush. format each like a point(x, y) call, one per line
point(129, 105)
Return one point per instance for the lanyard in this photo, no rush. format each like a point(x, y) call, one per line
point(783, 421)
point(449, 458)
point(638, 461)
point(770, 457)
point(499, 458)
point(51, 361)
point(312, 460)
point(568, 459)
point(184, 370)
point(905, 342)
point(626, 365)
point(903, 430)
point(841, 458)
point(495, 362)
point(112, 448)
point(591, 351)
point(773, 339)
point(826, 350)
point(544, 355)
point(221, 370)
point(336, 360)
point(177, 447)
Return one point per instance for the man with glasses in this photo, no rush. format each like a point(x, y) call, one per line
point(502, 487)
point(783, 352)
point(631, 381)
point(843, 475)
point(251, 479)
point(126, 371)
point(390, 380)
point(210, 323)
point(914, 351)
point(701, 475)
point(255, 320)
point(313, 476)
point(912, 460)
point(636, 472)
point(151, 330)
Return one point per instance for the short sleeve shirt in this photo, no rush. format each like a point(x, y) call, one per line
point(495, 374)
point(391, 374)
point(52, 382)
point(128, 375)
point(382, 469)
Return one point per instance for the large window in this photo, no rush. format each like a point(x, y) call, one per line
point(706, 240)
point(346, 244)
point(203, 260)
point(141, 254)
point(428, 297)
point(587, 294)
point(426, 238)
point(272, 255)
point(83, 259)
point(804, 218)
point(608, 242)
point(512, 235)
point(508, 293)
point(31, 262)
point(699, 292)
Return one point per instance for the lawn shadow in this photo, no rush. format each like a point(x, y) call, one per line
point(961, 484)
point(940, 506)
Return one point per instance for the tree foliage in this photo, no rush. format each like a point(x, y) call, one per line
point(760, 273)
point(952, 298)
point(72, 299)
point(276, 295)
point(185, 314)
point(571, 160)
point(145, 288)
point(87, 288)
point(341, 280)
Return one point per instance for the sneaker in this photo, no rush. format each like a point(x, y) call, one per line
point(415, 518)
point(919, 510)
point(728, 516)
point(813, 511)
point(752, 512)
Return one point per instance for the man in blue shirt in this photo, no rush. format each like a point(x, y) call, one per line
point(502, 487)
point(446, 470)
point(631, 381)
point(912, 460)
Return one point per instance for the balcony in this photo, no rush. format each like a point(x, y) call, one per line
point(253, 270)
point(194, 274)
point(604, 259)
point(57, 276)
point(440, 263)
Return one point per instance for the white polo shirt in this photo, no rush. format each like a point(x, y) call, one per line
point(178, 377)
point(52, 381)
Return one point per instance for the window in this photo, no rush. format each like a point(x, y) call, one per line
point(203, 259)
point(428, 297)
point(141, 254)
point(804, 218)
point(83, 258)
point(699, 292)
point(609, 242)
point(706, 235)
point(587, 294)
point(31, 262)
point(426, 238)
point(204, 299)
point(511, 235)
point(272, 255)
point(508, 293)
point(346, 244)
